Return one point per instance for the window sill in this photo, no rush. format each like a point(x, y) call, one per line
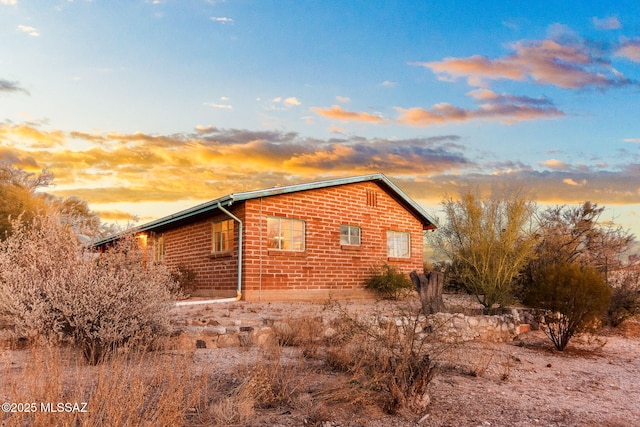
point(394, 259)
point(219, 255)
point(355, 248)
point(280, 252)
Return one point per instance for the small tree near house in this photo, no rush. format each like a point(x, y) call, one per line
point(488, 242)
point(572, 299)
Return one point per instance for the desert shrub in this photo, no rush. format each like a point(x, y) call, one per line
point(572, 298)
point(140, 389)
point(387, 363)
point(185, 278)
point(53, 287)
point(625, 298)
point(389, 282)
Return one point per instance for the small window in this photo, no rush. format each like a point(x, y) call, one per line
point(222, 240)
point(158, 247)
point(398, 244)
point(349, 235)
point(286, 234)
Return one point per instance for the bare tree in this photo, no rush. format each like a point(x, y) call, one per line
point(577, 234)
point(31, 181)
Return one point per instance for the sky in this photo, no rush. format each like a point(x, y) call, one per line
point(144, 108)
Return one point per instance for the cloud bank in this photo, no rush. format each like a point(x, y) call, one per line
point(112, 168)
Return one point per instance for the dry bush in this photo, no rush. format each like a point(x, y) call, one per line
point(52, 286)
point(625, 297)
point(474, 358)
point(271, 383)
point(141, 389)
point(238, 409)
point(305, 333)
point(388, 361)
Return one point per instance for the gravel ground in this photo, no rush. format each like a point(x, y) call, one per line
point(594, 382)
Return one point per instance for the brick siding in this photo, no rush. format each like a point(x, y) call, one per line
point(324, 267)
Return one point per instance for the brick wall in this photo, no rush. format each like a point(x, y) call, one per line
point(191, 246)
point(324, 267)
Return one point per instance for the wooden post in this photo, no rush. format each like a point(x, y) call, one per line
point(429, 287)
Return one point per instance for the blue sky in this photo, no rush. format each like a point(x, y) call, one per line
point(146, 107)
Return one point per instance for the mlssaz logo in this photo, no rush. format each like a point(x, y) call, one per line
point(63, 407)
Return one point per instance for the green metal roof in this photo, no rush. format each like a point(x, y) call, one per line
point(393, 190)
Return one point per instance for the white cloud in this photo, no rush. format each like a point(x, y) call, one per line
point(608, 23)
point(222, 19)
point(343, 99)
point(555, 164)
point(220, 106)
point(29, 30)
point(570, 181)
point(388, 83)
point(9, 2)
point(632, 140)
point(291, 101)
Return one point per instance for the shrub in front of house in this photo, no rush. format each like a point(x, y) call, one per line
point(625, 298)
point(389, 282)
point(52, 287)
point(572, 299)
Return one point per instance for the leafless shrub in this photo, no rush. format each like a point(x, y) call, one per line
point(238, 409)
point(625, 297)
point(141, 389)
point(388, 361)
point(305, 333)
point(51, 286)
point(270, 384)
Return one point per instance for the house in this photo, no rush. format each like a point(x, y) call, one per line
point(305, 241)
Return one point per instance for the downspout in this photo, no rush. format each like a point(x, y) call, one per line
point(239, 291)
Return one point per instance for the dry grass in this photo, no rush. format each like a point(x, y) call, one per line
point(370, 364)
point(152, 389)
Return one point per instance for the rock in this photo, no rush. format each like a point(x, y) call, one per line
point(213, 330)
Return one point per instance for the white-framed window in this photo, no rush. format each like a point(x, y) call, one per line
point(285, 234)
point(223, 234)
point(398, 244)
point(158, 247)
point(350, 235)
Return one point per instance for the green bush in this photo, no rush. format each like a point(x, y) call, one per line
point(572, 299)
point(389, 283)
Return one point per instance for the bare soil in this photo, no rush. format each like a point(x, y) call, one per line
point(594, 382)
point(526, 382)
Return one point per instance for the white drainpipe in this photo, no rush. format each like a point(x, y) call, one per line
point(239, 291)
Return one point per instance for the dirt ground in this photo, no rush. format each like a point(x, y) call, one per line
point(526, 382)
point(594, 382)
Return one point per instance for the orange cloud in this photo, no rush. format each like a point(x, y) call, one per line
point(137, 167)
point(555, 164)
point(630, 49)
point(543, 62)
point(31, 135)
point(500, 107)
point(183, 169)
point(337, 112)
